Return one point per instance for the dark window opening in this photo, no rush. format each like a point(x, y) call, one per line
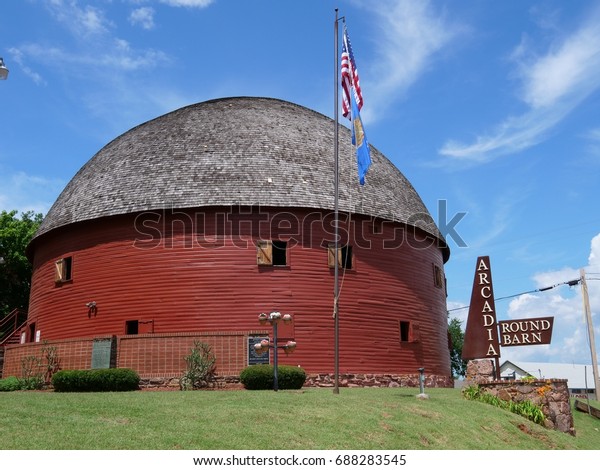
point(346, 257)
point(438, 277)
point(404, 331)
point(279, 253)
point(32, 332)
point(131, 327)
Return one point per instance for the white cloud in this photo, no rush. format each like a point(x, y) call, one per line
point(552, 86)
point(514, 134)
point(82, 21)
point(594, 258)
point(570, 341)
point(411, 34)
point(570, 68)
point(17, 56)
point(143, 16)
point(24, 192)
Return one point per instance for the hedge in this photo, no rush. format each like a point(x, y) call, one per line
point(10, 384)
point(96, 380)
point(260, 377)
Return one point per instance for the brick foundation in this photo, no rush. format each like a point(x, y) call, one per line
point(150, 355)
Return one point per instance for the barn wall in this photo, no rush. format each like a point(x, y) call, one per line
point(185, 271)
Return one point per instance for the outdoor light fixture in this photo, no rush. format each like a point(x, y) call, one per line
point(92, 308)
point(3, 70)
point(260, 348)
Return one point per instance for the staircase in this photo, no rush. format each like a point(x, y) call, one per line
point(10, 327)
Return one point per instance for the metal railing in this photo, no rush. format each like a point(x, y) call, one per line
point(11, 323)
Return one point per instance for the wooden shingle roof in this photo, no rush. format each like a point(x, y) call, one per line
point(235, 151)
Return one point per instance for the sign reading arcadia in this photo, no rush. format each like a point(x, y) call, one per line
point(482, 338)
point(481, 334)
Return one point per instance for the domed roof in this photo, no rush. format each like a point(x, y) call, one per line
point(235, 151)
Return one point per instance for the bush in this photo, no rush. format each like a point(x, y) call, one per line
point(200, 367)
point(260, 377)
point(525, 408)
point(96, 380)
point(10, 384)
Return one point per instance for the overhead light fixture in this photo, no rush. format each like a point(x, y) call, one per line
point(3, 70)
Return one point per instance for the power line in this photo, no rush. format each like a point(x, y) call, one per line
point(571, 283)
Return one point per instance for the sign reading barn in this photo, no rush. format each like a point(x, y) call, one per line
point(526, 332)
point(482, 339)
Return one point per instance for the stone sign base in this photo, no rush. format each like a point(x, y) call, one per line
point(551, 395)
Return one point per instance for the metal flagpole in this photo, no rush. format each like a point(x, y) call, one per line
point(336, 317)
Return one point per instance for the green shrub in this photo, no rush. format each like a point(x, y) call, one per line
point(10, 384)
point(96, 380)
point(200, 367)
point(525, 408)
point(260, 377)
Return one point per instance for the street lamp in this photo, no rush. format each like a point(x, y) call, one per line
point(3, 70)
point(274, 318)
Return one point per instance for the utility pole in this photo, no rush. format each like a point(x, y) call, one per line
point(590, 327)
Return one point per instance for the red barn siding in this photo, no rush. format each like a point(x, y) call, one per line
point(202, 275)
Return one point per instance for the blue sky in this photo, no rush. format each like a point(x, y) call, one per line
point(490, 106)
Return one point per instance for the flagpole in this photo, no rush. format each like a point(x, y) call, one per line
point(336, 317)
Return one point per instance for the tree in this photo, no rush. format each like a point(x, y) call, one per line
point(457, 336)
point(15, 268)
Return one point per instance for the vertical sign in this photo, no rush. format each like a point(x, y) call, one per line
point(481, 334)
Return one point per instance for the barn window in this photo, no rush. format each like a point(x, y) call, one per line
point(63, 269)
point(344, 256)
point(438, 277)
point(409, 332)
point(131, 327)
point(271, 253)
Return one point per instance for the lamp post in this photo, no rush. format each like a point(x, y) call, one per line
point(3, 70)
point(274, 318)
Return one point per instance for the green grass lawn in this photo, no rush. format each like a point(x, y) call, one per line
point(306, 419)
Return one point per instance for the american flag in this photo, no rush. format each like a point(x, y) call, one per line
point(350, 81)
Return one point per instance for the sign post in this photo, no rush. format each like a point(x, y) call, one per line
point(481, 334)
point(484, 335)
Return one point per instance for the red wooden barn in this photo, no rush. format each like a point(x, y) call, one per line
point(192, 224)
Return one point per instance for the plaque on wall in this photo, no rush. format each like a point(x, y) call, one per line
point(103, 353)
point(254, 358)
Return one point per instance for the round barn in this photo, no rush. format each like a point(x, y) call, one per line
point(192, 224)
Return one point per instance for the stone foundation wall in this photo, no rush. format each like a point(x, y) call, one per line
point(319, 380)
point(172, 383)
point(551, 395)
point(378, 380)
